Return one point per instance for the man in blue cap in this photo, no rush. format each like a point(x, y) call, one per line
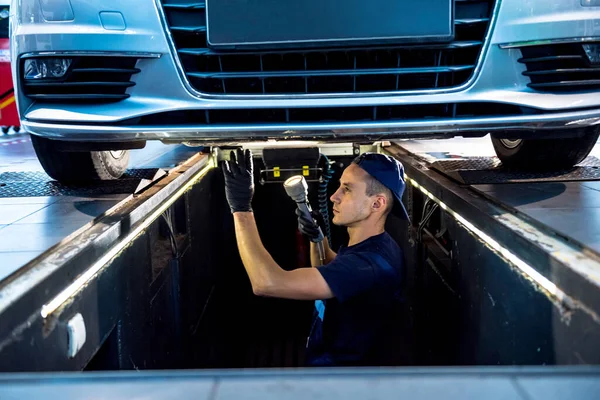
point(355, 290)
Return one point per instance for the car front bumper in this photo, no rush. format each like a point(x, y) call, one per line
point(162, 87)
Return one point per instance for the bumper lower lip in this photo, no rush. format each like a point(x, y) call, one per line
point(529, 125)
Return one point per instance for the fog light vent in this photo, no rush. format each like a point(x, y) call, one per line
point(592, 51)
point(562, 67)
point(46, 68)
point(96, 79)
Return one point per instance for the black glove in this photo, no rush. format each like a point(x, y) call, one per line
point(239, 181)
point(307, 227)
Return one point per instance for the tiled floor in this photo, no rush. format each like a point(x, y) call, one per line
point(31, 225)
point(570, 208)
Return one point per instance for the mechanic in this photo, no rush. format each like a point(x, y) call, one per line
point(355, 291)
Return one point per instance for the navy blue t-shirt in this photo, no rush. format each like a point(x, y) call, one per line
point(365, 280)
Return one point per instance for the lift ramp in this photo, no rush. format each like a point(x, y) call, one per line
point(523, 253)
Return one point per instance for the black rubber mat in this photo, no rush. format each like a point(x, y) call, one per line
point(489, 170)
point(34, 184)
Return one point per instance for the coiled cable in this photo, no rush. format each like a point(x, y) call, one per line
point(323, 196)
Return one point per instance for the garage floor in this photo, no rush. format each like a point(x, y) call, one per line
point(31, 225)
point(569, 207)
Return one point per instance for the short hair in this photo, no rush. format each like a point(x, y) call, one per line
point(375, 187)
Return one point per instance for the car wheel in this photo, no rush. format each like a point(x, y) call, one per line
point(546, 154)
point(80, 166)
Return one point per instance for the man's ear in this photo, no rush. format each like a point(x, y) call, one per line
point(379, 203)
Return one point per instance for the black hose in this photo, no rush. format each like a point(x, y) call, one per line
point(323, 195)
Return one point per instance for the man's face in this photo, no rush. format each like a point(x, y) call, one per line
point(351, 205)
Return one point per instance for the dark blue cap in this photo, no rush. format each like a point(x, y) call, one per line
point(390, 173)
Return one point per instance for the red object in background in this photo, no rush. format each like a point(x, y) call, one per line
point(302, 251)
point(8, 107)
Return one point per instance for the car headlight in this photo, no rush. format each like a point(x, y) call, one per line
point(46, 68)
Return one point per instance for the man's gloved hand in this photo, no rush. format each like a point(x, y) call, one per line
point(239, 181)
point(310, 228)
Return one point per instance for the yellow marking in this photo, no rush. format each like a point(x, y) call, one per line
point(8, 102)
point(276, 172)
point(305, 170)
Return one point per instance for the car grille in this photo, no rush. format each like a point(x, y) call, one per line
point(90, 78)
point(559, 68)
point(333, 70)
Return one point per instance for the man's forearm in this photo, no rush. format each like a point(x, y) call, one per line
point(262, 270)
point(314, 253)
point(269, 279)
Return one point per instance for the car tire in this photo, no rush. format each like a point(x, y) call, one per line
point(80, 166)
point(546, 154)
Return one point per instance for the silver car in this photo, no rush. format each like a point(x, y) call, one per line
point(95, 79)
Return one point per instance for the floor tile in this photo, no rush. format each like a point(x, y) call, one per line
point(581, 225)
point(28, 200)
point(10, 213)
point(12, 261)
point(575, 195)
point(79, 211)
point(72, 199)
point(35, 237)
